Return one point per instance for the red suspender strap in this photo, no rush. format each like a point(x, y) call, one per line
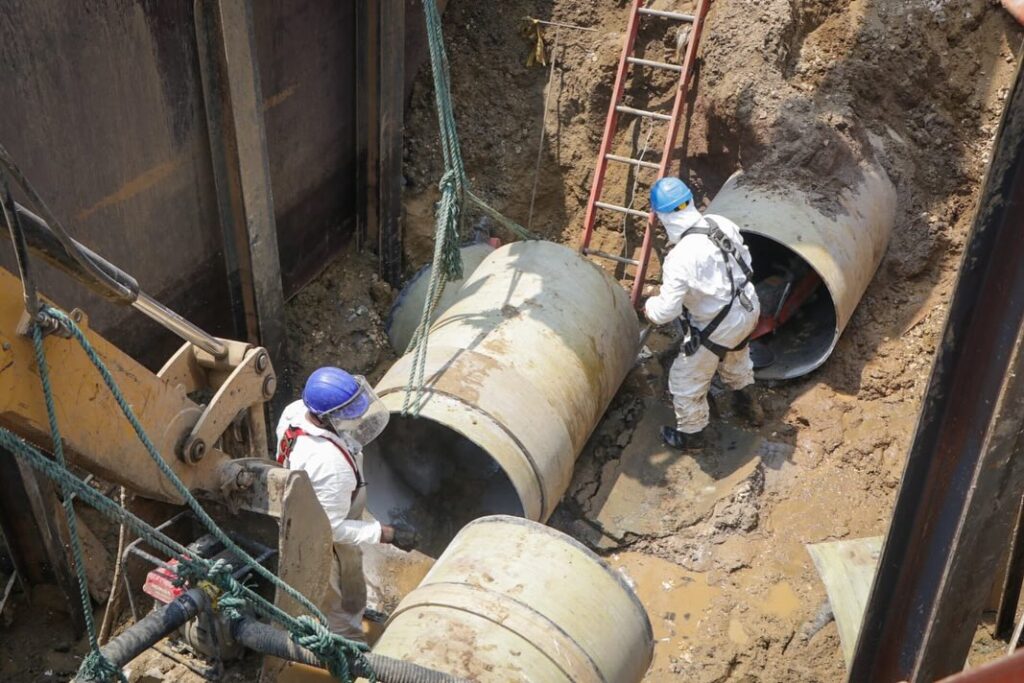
point(284, 449)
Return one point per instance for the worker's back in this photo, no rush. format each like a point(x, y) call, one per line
point(702, 267)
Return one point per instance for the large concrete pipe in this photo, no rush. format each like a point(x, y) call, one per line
point(405, 314)
point(513, 600)
point(843, 244)
point(520, 369)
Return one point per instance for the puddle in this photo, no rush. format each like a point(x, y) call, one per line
point(676, 600)
point(781, 601)
point(737, 633)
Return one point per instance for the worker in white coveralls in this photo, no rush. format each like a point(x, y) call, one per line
point(706, 284)
point(324, 434)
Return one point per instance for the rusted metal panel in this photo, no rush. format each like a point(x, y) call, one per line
point(307, 57)
point(103, 108)
point(964, 479)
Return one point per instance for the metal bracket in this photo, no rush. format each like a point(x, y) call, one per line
point(250, 384)
point(49, 324)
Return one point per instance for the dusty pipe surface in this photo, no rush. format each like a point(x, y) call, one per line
point(843, 247)
point(405, 314)
point(513, 600)
point(520, 369)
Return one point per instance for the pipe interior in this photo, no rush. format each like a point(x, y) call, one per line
point(433, 478)
point(805, 341)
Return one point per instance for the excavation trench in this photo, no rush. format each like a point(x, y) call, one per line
point(534, 343)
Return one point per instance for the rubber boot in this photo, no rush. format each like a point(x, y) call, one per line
point(681, 440)
point(747, 404)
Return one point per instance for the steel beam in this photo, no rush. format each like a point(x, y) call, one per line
point(234, 115)
point(380, 78)
point(1009, 587)
point(367, 120)
point(392, 108)
point(963, 481)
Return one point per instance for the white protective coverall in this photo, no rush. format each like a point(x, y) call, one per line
point(694, 275)
point(334, 482)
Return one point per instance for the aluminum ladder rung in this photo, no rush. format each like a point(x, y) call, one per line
point(623, 109)
point(678, 16)
point(657, 65)
point(621, 209)
point(634, 162)
point(611, 257)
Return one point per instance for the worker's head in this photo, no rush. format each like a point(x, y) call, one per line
point(672, 200)
point(345, 404)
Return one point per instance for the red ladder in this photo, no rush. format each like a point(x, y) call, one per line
point(616, 107)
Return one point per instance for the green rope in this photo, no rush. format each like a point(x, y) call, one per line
point(454, 187)
point(95, 667)
point(342, 657)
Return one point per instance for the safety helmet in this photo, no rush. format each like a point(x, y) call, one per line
point(346, 403)
point(670, 194)
point(328, 389)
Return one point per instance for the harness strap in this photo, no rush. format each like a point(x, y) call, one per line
point(728, 249)
point(720, 350)
point(291, 435)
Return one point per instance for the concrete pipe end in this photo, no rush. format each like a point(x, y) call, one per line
point(429, 475)
point(512, 599)
point(793, 233)
point(805, 341)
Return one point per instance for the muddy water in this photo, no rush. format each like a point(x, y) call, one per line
point(676, 600)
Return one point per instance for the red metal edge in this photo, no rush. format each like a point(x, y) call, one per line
point(1016, 8)
point(670, 141)
point(1009, 669)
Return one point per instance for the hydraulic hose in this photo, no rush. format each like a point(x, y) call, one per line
point(157, 624)
point(83, 259)
point(268, 640)
point(42, 240)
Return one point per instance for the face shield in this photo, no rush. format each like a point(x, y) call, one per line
point(362, 418)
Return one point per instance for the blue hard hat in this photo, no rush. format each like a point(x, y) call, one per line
point(668, 194)
point(329, 389)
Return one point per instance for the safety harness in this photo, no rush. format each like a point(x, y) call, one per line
point(694, 337)
point(291, 435)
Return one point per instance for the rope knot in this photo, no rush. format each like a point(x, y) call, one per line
point(451, 182)
point(96, 667)
point(190, 572)
point(337, 653)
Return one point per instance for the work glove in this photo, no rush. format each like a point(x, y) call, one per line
point(404, 537)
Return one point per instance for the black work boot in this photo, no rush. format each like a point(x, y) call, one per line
point(681, 440)
point(747, 404)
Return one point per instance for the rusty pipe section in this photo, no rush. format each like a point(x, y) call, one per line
point(514, 600)
point(843, 242)
point(520, 369)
